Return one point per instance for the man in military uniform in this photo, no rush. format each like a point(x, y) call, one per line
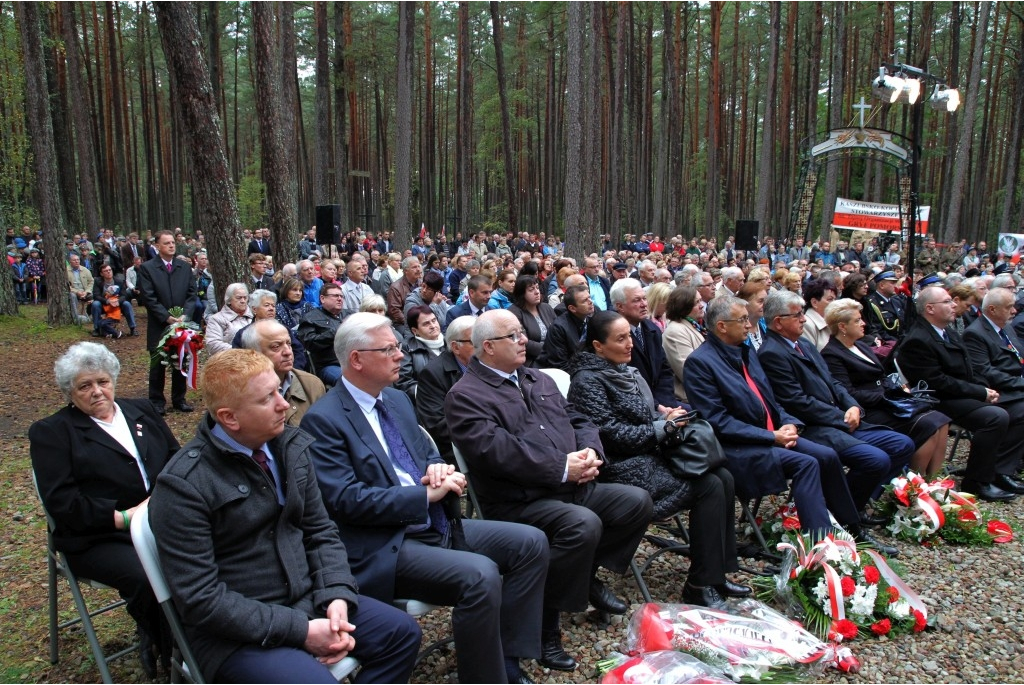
point(888, 309)
point(927, 259)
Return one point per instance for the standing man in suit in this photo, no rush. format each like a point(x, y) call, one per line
point(935, 353)
point(260, 243)
point(629, 299)
point(132, 249)
point(163, 283)
point(806, 389)
point(396, 505)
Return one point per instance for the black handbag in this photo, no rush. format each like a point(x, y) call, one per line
point(906, 402)
point(693, 450)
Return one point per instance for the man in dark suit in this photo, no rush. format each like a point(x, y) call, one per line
point(629, 299)
point(386, 487)
point(260, 243)
point(438, 377)
point(258, 278)
point(164, 283)
point(534, 460)
point(724, 381)
point(803, 385)
point(478, 297)
point(132, 249)
point(568, 330)
point(933, 352)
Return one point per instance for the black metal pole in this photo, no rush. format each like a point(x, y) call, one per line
point(917, 111)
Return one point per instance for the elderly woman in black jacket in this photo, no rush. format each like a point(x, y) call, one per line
point(95, 462)
point(636, 435)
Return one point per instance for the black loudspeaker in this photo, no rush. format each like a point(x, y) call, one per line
point(328, 230)
point(746, 234)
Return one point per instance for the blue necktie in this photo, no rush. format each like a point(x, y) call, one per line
point(400, 453)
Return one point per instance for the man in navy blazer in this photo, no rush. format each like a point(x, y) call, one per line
point(724, 381)
point(478, 300)
point(629, 299)
point(260, 243)
point(164, 283)
point(804, 386)
point(384, 484)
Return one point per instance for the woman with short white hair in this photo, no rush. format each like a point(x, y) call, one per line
point(232, 317)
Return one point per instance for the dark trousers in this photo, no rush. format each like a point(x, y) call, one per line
point(157, 379)
point(603, 528)
point(387, 640)
point(712, 528)
point(818, 485)
point(496, 589)
point(116, 564)
point(882, 454)
point(998, 431)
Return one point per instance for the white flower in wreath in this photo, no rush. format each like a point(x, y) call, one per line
point(821, 594)
point(899, 609)
point(863, 601)
point(833, 554)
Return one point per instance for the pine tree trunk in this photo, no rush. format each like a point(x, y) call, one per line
point(512, 196)
point(464, 132)
point(40, 128)
point(216, 209)
point(835, 117)
point(713, 206)
point(766, 163)
point(80, 116)
point(403, 232)
point(342, 18)
point(322, 147)
point(574, 114)
point(62, 138)
point(1011, 192)
point(284, 239)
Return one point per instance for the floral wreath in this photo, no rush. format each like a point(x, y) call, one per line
point(179, 346)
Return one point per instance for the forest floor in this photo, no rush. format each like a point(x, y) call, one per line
point(976, 593)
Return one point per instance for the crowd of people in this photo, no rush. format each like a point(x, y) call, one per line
point(324, 481)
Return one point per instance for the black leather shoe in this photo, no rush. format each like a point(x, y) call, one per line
point(990, 492)
point(553, 656)
point(147, 654)
point(731, 589)
point(184, 406)
point(870, 540)
point(603, 599)
point(1009, 484)
point(161, 408)
point(873, 520)
point(706, 596)
point(522, 679)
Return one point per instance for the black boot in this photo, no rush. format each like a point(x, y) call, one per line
point(147, 654)
point(552, 654)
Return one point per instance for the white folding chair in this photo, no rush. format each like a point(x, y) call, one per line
point(561, 379)
point(183, 661)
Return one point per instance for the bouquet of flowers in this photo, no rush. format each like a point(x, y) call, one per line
point(748, 641)
point(841, 592)
point(179, 346)
point(658, 667)
point(783, 519)
point(923, 511)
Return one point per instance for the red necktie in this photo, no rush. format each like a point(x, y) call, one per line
point(753, 386)
point(170, 267)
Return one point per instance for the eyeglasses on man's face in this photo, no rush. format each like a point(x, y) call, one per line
point(514, 336)
point(388, 351)
point(743, 320)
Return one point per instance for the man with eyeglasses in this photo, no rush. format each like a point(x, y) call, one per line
point(534, 459)
point(396, 503)
point(438, 377)
point(724, 381)
point(316, 332)
point(805, 388)
point(932, 351)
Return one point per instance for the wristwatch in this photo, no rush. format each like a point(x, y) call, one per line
point(670, 427)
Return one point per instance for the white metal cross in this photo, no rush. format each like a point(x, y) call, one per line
point(861, 107)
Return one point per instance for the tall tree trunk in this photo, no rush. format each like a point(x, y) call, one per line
point(276, 172)
point(342, 18)
point(593, 140)
point(767, 162)
point(667, 111)
point(216, 209)
point(511, 184)
point(80, 116)
point(574, 115)
point(616, 163)
point(62, 138)
point(713, 207)
point(403, 232)
point(835, 115)
point(285, 245)
point(322, 158)
point(464, 130)
point(40, 128)
point(1008, 220)
point(962, 152)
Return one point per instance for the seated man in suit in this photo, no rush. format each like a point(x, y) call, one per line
point(933, 352)
point(438, 377)
point(386, 487)
point(997, 357)
point(317, 329)
point(478, 299)
point(533, 460)
point(253, 561)
point(258, 278)
point(805, 388)
point(630, 300)
point(569, 329)
point(724, 381)
point(275, 342)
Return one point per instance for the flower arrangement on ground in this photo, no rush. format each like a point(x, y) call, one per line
point(923, 512)
point(179, 347)
point(840, 591)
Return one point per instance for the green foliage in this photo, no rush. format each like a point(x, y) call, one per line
point(252, 196)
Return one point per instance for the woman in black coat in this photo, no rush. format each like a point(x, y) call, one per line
point(853, 363)
point(634, 431)
point(535, 315)
point(424, 343)
point(95, 463)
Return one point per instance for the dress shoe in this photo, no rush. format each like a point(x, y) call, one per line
point(870, 540)
point(706, 596)
point(160, 408)
point(553, 656)
point(1009, 484)
point(147, 654)
point(522, 679)
point(731, 589)
point(603, 599)
point(183, 406)
point(873, 520)
point(990, 492)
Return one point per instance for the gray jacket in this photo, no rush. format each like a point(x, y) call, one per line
point(244, 570)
